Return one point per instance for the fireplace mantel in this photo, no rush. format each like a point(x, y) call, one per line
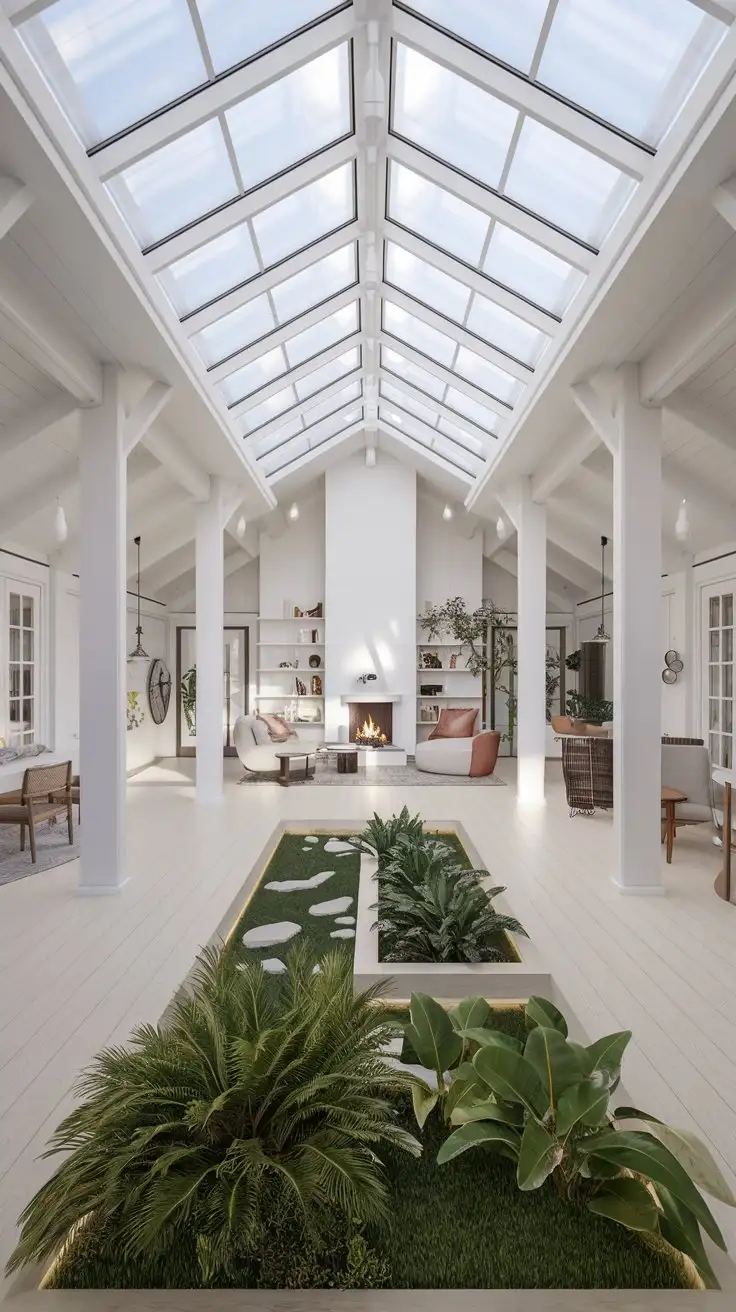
point(360, 695)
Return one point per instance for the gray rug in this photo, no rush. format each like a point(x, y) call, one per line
point(390, 776)
point(52, 849)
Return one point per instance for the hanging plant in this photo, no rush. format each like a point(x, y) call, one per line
point(135, 714)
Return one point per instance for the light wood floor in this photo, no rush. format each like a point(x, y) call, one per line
point(77, 973)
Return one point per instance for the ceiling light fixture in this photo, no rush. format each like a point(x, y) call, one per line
point(61, 528)
point(501, 528)
point(682, 523)
point(240, 527)
point(601, 635)
point(139, 652)
point(293, 512)
point(448, 512)
point(370, 457)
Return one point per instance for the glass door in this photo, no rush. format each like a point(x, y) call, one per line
point(719, 662)
point(23, 701)
point(234, 687)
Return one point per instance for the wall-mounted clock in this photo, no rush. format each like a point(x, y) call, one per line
point(159, 690)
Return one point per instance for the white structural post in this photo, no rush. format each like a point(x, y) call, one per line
point(102, 669)
point(637, 639)
point(530, 520)
point(210, 603)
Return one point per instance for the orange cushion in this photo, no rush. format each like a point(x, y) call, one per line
point(456, 722)
point(278, 729)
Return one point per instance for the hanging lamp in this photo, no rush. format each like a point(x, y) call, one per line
point(139, 652)
point(601, 634)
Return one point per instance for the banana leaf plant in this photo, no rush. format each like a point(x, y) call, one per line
point(545, 1105)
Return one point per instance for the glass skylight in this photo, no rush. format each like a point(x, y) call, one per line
point(434, 213)
point(453, 454)
point(420, 335)
point(506, 331)
point(234, 331)
point(316, 283)
point(210, 270)
point(397, 397)
point(529, 269)
point(328, 373)
point(248, 379)
point(266, 410)
point(236, 29)
point(487, 376)
point(311, 440)
point(508, 29)
point(412, 373)
point(433, 418)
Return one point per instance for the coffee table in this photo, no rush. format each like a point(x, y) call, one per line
point(285, 760)
point(670, 798)
point(345, 756)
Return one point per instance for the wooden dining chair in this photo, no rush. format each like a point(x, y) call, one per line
point(46, 792)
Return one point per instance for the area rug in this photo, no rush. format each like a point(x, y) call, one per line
point(52, 849)
point(388, 776)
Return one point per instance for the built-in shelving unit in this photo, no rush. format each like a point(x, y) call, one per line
point(465, 687)
point(282, 639)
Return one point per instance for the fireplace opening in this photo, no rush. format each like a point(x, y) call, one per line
point(370, 723)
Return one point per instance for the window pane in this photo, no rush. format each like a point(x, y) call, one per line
point(176, 184)
point(532, 271)
point(418, 334)
point(569, 186)
point(727, 680)
point(291, 118)
point(234, 331)
point(275, 405)
point(28, 613)
point(253, 375)
point(465, 405)
point(631, 62)
point(237, 29)
point(270, 442)
point(328, 373)
point(462, 436)
point(331, 404)
point(509, 29)
point(435, 214)
point(715, 645)
point(513, 335)
point(451, 117)
point(427, 284)
point(485, 375)
point(458, 454)
point(14, 689)
point(727, 652)
point(28, 681)
point(321, 335)
point(714, 682)
point(211, 270)
point(727, 609)
point(27, 645)
point(125, 59)
point(305, 215)
point(398, 397)
point(321, 280)
point(715, 612)
point(421, 378)
point(14, 609)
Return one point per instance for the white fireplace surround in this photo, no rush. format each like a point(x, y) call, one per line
point(348, 697)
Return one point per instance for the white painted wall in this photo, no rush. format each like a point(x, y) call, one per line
point(292, 566)
point(149, 741)
point(371, 588)
point(241, 589)
point(500, 587)
point(448, 565)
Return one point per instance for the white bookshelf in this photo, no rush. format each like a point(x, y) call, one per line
point(289, 638)
point(459, 686)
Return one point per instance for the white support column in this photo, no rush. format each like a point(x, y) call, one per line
point(102, 669)
point(210, 603)
point(531, 527)
point(637, 639)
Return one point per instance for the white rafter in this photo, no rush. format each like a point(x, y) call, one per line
point(15, 198)
point(179, 464)
point(459, 335)
point(721, 428)
point(147, 410)
point(25, 505)
point(303, 407)
point(424, 453)
point(283, 334)
point(595, 410)
point(36, 333)
point(34, 423)
point(296, 375)
point(444, 375)
point(693, 342)
point(322, 449)
point(563, 459)
point(452, 416)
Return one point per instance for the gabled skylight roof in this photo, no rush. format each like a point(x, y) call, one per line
point(371, 222)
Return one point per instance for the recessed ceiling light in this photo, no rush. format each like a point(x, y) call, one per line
point(293, 512)
point(448, 512)
point(370, 457)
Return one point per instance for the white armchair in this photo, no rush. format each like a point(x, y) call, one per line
point(256, 750)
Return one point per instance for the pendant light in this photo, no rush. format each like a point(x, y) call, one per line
point(61, 528)
point(501, 529)
point(601, 634)
point(139, 652)
point(682, 524)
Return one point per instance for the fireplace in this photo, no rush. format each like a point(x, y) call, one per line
point(370, 723)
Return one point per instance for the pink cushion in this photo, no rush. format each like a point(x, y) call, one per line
point(455, 722)
point(278, 729)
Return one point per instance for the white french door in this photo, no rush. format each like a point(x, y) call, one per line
point(21, 656)
point(718, 667)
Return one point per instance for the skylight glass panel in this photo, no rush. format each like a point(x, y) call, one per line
point(254, 375)
point(176, 184)
point(507, 331)
point(301, 446)
point(461, 435)
point(328, 373)
point(465, 405)
point(457, 454)
point(324, 278)
point(425, 283)
point(210, 270)
point(292, 118)
point(487, 376)
point(530, 270)
point(113, 62)
point(268, 409)
point(323, 334)
point(337, 402)
point(418, 334)
point(567, 185)
point(632, 63)
point(412, 373)
point(237, 29)
point(451, 117)
point(508, 29)
point(271, 441)
point(235, 330)
point(396, 397)
point(436, 214)
point(282, 455)
point(306, 215)
point(429, 440)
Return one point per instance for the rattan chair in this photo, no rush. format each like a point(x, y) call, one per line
point(587, 768)
point(46, 793)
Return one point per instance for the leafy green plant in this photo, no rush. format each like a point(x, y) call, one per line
point(188, 693)
point(545, 1106)
point(468, 628)
point(254, 1098)
point(380, 836)
point(134, 714)
point(594, 710)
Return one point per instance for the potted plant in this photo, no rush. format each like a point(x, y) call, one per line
point(470, 629)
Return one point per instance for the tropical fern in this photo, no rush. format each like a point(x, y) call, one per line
point(255, 1097)
point(380, 836)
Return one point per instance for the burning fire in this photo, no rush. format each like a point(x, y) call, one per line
point(371, 734)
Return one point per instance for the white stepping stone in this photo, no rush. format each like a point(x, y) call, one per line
point(265, 936)
point(343, 933)
point(273, 966)
point(311, 839)
point(339, 845)
point(317, 970)
point(344, 920)
point(333, 908)
point(295, 885)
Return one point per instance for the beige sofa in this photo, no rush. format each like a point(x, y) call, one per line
point(474, 756)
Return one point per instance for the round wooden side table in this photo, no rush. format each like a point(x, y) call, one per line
point(347, 760)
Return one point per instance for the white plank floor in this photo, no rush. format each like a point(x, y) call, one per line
point(77, 973)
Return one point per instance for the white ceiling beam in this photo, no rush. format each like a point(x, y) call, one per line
point(458, 334)
point(720, 428)
point(579, 545)
point(303, 407)
point(563, 460)
point(45, 342)
point(35, 423)
point(597, 413)
point(222, 94)
point(19, 11)
point(523, 94)
point(496, 207)
point(689, 486)
point(492, 543)
point(274, 523)
point(322, 449)
point(582, 515)
point(181, 467)
point(510, 564)
point(181, 600)
point(477, 282)
point(576, 572)
point(248, 545)
point(283, 334)
point(464, 523)
point(725, 10)
point(724, 200)
point(157, 546)
point(295, 375)
point(693, 342)
point(15, 198)
point(452, 416)
point(180, 561)
point(25, 505)
point(144, 414)
point(445, 375)
point(238, 211)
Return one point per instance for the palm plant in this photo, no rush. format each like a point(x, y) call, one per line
point(253, 1100)
point(380, 836)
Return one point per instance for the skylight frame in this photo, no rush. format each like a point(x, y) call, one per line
point(250, 357)
point(443, 410)
point(345, 406)
point(456, 381)
point(427, 449)
point(355, 426)
point(303, 406)
point(296, 375)
point(435, 428)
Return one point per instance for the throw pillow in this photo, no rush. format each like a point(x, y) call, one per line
point(455, 722)
point(260, 730)
point(278, 729)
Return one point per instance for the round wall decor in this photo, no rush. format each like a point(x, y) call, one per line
point(159, 690)
point(669, 676)
point(315, 662)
